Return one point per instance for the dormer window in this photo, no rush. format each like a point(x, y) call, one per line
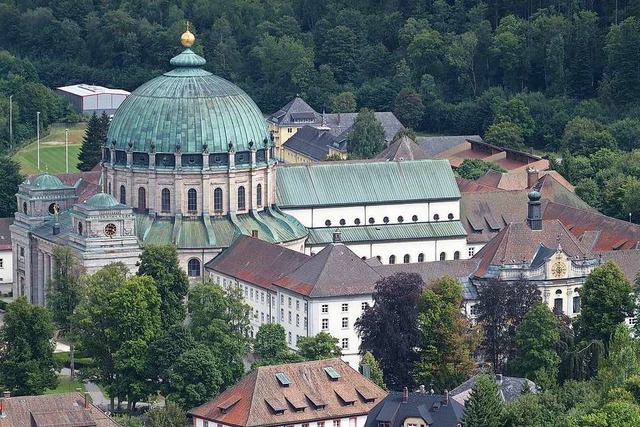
point(384, 424)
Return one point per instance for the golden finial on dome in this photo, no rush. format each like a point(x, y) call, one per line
point(187, 39)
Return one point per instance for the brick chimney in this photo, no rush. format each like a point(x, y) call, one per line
point(3, 403)
point(86, 400)
point(405, 395)
point(445, 399)
point(532, 177)
point(254, 234)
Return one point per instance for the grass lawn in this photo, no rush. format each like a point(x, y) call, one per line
point(52, 151)
point(66, 386)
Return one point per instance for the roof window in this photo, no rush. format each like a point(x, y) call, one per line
point(283, 379)
point(333, 374)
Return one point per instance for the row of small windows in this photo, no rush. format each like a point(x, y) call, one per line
point(192, 198)
point(407, 258)
point(385, 220)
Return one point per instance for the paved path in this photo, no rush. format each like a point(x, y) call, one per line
point(97, 397)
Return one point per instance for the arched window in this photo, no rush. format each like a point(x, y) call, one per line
point(142, 198)
point(456, 255)
point(241, 200)
point(24, 207)
point(193, 267)
point(80, 228)
point(217, 200)
point(420, 257)
point(443, 256)
point(392, 259)
point(165, 200)
point(123, 195)
point(407, 259)
point(109, 188)
point(259, 195)
point(192, 200)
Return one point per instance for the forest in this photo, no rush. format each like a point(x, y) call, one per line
point(555, 76)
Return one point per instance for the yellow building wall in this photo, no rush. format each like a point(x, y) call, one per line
point(280, 135)
point(292, 157)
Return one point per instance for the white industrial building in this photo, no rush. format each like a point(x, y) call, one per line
point(89, 99)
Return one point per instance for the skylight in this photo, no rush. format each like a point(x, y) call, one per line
point(283, 379)
point(333, 374)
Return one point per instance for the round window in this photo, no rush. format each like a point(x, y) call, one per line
point(52, 208)
point(217, 159)
point(414, 218)
point(343, 222)
point(371, 220)
point(450, 216)
point(385, 219)
point(400, 218)
point(110, 230)
point(327, 223)
point(357, 221)
point(436, 217)
point(192, 160)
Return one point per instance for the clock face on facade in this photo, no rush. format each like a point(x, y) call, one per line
point(110, 230)
point(558, 269)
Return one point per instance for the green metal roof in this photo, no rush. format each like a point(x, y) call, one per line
point(191, 107)
point(47, 181)
point(353, 183)
point(101, 200)
point(390, 232)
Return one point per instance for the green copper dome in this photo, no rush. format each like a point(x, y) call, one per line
point(47, 181)
point(101, 200)
point(188, 108)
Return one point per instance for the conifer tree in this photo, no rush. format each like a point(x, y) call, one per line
point(94, 138)
point(484, 407)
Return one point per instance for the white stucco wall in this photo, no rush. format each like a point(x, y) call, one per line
point(6, 267)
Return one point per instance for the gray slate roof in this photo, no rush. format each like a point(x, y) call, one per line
point(403, 149)
point(434, 145)
point(509, 388)
point(360, 182)
point(341, 123)
point(429, 407)
point(297, 108)
point(314, 143)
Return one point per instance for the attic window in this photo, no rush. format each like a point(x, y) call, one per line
point(298, 404)
point(435, 407)
point(366, 394)
point(316, 400)
point(333, 374)
point(227, 404)
point(384, 424)
point(346, 397)
point(276, 406)
point(283, 379)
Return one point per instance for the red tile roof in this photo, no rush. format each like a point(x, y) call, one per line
point(256, 261)
point(259, 395)
point(53, 410)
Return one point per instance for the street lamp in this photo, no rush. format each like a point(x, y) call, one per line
point(66, 148)
point(38, 136)
point(10, 121)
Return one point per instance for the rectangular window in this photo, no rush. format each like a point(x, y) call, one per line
point(345, 343)
point(21, 251)
point(345, 323)
point(289, 130)
point(305, 323)
point(205, 423)
point(325, 308)
point(1, 263)
point(474, 310)
point(336, 423)
point(246, 292)
point(262, 297)
point(251, 293)
point(282, 314)
point(297, 320)
point(289, 302)
point(557, 306)
point(289, 317)
point(282, 299)
point(262, 317)
point(320, 423)
point(472, 251)
point(325, 324)
point(306, 306)
point(297, 304)
point(345, 308)
point(289, 340)
point(576, 304)
point(255, 315)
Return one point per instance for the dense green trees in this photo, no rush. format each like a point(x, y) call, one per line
point(484, 407)
point(271, 345)
point(27, 365)
point(320, 346)
point(475, 168)
point(10, 178)
point(366, 138)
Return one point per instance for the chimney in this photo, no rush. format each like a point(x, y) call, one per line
point(499, 379)
point(86, 400)
point(534, 217)
point(405, 395)
point(3, 404)
point(532, 177)
point(254, 234)
point(337, 236)
point(445, 400)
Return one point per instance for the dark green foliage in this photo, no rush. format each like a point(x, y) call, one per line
point(10, 178)
point(320, 346)
point(194, 378)
point(537, 340)
point(171, 415)
point(66, 288)
point(505, 134)
point(366, 138)
point(475, 168)
point(501, 308)
point(375, 373)
point(389, 329)
point(164, 352)
point(484, 407)
point(27, 365)
point(606, 301)
point(408, 107)
point(95, 138)
point(161, 263)
point(271, 345)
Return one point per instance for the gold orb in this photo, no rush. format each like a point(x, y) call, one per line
point(187, 39)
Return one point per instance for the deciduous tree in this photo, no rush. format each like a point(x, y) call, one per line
point(366, 138)
point(475, 168)
point(271, 345)
point(375, 373)
point(320, 346)
point(389, 329)
point(408, 107)
point(27, 365)
point(195, 377)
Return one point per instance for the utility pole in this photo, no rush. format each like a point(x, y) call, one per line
point(66, 148)
point(10, 121)
point(38, 136)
